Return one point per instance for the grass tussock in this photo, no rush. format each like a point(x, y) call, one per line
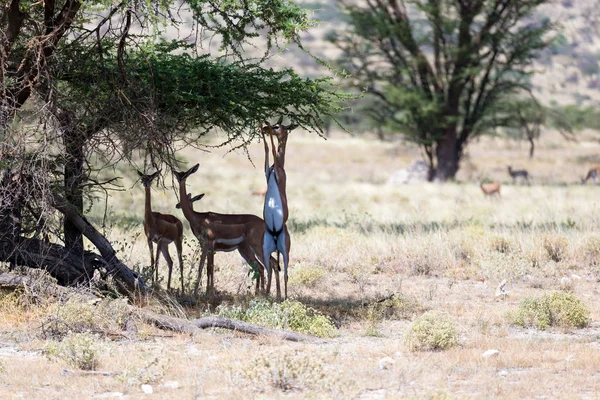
point(432, 331)
point(307, 275)
point(556, 247)
point(81, 314)
point(394, 307)
point(79, 350)
point(563, 310)
point(286, 371)
point(290, 315)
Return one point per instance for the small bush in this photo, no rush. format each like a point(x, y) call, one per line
point(152, 372)
point(592, 251)
point(563, 310)
point(82, 314)
point(307, 275)
point(501, 244)
point(556, 247)
point(396, 306)
point(433, 331)
point(79, 350)
point(291, 315)
point(286, 371)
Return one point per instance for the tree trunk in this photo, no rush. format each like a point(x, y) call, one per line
point(531, 146)
point(448, 155)
point(125, 277)
point(66, 268)
point(73, 180)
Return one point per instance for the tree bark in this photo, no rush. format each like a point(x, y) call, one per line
point(531, 146)
point(448, 156)
point(73, 180)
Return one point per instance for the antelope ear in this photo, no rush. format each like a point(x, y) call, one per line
point(196, 198)
point(193, 169)
point(291, 127)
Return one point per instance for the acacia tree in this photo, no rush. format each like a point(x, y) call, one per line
point(73, 90)
point(438, 69)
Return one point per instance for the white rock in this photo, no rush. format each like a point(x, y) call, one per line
point(575, 276)
point(386, 363)
point(147, 389)
point(171, 384)
point(490, 353)
point(500, 290)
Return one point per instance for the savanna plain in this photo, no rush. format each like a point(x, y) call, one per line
point(409, 285)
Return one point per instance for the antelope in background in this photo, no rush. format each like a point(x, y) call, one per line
point(490, 189)
point(161, 229)
point(521, 173)
point(592, 174)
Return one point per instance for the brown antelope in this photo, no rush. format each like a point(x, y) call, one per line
point(489, 189)
point(222, 232)
point(275, 211)
point(592, 174)
point(161, 229)
point(259, 192)
point(514, 174)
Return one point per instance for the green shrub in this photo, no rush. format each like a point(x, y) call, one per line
point(432, 331)
point(79, 350)
point(563, 310)
point(290, 314)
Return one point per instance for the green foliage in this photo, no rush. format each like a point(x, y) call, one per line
point(79, 350)
point(578, 118)
point(432, 331)
point(290, 314)
point(184, 95)
point(563, 310)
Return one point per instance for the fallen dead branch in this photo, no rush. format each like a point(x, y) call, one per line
point(187, 326)
point(66, 372)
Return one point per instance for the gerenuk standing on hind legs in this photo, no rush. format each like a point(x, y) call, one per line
point(275, 212)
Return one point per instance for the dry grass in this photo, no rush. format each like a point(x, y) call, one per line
point(355, 241)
